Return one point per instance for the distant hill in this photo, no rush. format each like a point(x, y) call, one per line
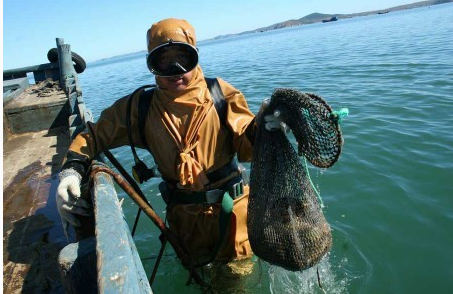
point(319, 17)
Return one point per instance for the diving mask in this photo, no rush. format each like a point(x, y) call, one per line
point(172, 59)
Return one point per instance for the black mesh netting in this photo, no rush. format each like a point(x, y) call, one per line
point(285, 223)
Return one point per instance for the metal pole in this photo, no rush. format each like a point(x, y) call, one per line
point(65, 62)
point(159, 257)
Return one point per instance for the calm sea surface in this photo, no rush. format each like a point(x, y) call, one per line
point(389, 199)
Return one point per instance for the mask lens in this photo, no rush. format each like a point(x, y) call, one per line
point(172, 57)
point(176, 59)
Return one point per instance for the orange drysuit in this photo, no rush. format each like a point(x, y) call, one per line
point(188, 141)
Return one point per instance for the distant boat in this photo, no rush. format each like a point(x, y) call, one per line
point(383, 12)
point(333, 18)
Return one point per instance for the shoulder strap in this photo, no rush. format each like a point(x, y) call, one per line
point(219, 99)
point(129, 114)
point(143, 108)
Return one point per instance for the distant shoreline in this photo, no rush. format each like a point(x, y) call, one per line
point(320, 17)
point(308, 19)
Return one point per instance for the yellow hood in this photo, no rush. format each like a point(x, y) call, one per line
point(165, 30)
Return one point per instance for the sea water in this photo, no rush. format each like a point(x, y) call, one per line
point(389, 197)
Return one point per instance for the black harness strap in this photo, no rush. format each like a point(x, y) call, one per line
point(128, 122)
point(143, 109)
point(218, 98)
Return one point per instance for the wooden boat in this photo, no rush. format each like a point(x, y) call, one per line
point(39, 123)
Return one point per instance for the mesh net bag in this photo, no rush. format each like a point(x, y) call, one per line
point(285, 222)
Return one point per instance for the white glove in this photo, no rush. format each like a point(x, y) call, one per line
point(274, 121)
point(69, 202)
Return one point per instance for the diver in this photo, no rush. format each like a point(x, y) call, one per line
point(192, 143)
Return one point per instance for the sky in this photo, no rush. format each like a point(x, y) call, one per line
point(98, 29)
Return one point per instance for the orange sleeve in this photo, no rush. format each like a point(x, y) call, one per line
point(109, 131)
point(239, 119)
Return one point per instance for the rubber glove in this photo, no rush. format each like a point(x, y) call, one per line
point(272, 122)
point(69, 202)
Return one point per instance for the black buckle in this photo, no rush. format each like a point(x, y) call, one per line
point(236, 190)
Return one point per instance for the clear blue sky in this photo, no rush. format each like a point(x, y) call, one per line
point(98, 29)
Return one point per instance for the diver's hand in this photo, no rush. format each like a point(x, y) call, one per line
point(69, 202)
point(274, 122)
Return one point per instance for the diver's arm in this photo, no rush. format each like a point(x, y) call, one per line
point(108, 132)
point(240, 120)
